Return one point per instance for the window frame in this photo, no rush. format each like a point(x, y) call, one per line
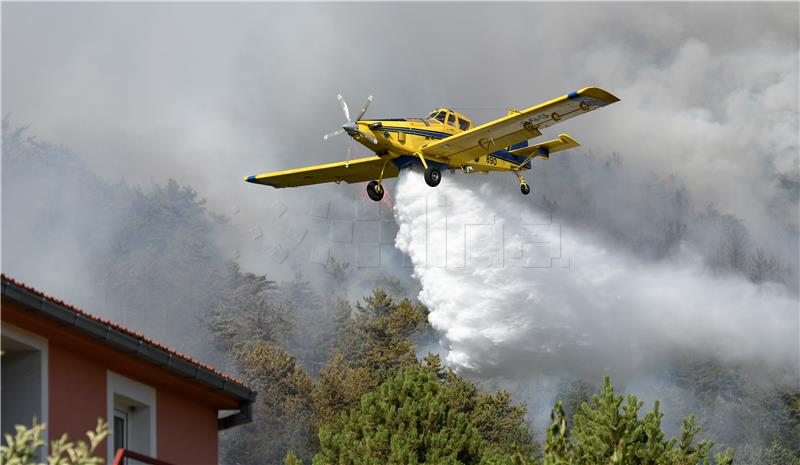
point(120, 415)
point(144, 397)
point(42, 345)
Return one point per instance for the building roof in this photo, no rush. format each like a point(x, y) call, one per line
point(128, 340)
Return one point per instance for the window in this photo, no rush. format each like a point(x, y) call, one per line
point(451, 120)
point(24, 381)
point(120, 429)
point(464, 125)
point(440, 116)
point(132, 406)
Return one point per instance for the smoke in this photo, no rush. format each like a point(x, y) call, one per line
point(679, 244)
point(513, 292)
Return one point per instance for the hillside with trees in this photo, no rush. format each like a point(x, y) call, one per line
point(343, 381)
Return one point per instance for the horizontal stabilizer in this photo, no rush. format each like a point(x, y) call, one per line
point(544, 149)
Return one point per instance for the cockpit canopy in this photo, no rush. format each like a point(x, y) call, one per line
point(445, 116)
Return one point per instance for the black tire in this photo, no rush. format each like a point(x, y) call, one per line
point(375, 191)
point(433, 177)
point(525, 189)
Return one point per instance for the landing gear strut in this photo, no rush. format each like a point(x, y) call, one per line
point(523, 186)
point(375, 191)
point(433, 176)
point(375, 188)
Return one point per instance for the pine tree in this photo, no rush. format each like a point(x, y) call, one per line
point(282, 411)
point(609, 431)
point(424, 415)
point(245, 309)
point(406, 421)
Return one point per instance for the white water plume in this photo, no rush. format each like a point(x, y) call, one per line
point(513, 293)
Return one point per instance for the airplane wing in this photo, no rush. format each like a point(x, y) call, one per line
point(359, 170)
point(516, 127)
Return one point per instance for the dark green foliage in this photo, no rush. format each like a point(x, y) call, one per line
point(377, 345)
point(499, 421)
point(574, 394)
point(422, 415)
point(292, 459)
point(283, 415)
point(370, 348)
point(406, 421)
point(378, 338)
point(608, 430)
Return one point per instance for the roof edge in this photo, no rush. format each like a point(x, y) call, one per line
point(127, 341)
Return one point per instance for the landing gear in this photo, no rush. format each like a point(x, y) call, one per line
point(523, 186)
point(375, 191)
point(433, 176)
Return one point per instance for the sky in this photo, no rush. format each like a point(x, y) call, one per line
point(206, 93)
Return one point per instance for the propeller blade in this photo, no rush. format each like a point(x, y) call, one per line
point(364, 108)
point(331, 134)
point(368, 137)
point(347, 165)
point(344, 107)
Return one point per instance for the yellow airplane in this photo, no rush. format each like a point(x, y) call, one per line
point(444, 140)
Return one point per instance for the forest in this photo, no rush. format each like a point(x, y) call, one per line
point(343, 380)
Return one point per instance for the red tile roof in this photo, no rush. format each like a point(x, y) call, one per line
point(123, 329)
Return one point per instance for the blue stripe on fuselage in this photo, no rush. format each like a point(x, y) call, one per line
point(417, 132)
point(511, 158)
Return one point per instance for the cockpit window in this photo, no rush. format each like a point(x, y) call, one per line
point(451, 120)
point(464, 125)
point(439, 116)
point(432, 115)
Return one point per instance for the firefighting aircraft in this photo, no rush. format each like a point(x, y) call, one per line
point(444, 140)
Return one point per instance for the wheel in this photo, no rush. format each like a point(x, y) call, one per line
point(525, 189)
point(433, 177)
point(375, 191)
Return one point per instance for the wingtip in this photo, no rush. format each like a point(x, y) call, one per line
point(597, 93)
point(251, 178)
point(567, 139)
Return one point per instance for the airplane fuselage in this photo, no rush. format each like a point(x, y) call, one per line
point(402, 138)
